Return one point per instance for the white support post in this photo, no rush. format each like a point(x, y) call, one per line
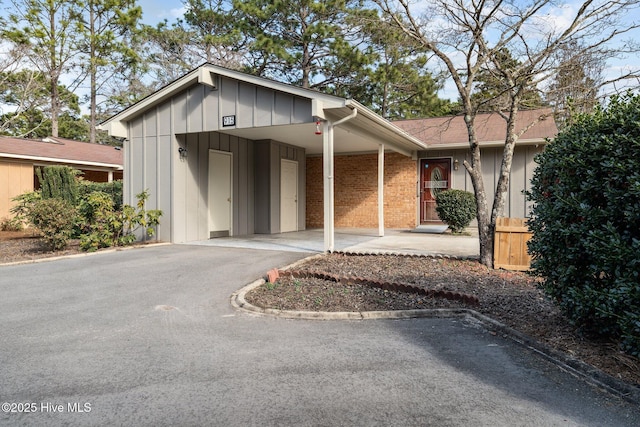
point(381, 190)
point(327, 180)
point(110, 176)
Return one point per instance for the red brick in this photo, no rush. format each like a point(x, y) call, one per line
point(356, 191)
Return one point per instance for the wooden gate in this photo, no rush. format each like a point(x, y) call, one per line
point(510, 244)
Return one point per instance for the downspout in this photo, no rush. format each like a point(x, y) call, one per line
point(327, 156)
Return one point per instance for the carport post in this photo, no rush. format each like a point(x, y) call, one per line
point(328, 181)
point(327, 178)
point(381, 190)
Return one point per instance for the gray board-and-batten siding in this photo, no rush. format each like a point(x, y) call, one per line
point(522, 168)
point(192, 119)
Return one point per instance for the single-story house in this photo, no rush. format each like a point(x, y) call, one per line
point(19, 157)
point(224, 153)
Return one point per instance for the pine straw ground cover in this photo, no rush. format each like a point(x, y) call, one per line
point(512, 298)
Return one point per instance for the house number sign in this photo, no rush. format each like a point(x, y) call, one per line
point(228, 121)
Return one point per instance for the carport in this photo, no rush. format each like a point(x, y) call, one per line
point(223, 153)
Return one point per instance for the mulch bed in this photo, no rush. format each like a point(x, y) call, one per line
point(512, 298)
point(27, 246)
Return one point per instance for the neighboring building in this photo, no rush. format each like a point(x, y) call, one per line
point(225, 153)
point(19, 158)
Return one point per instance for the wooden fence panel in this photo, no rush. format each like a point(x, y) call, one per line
point(510, 245)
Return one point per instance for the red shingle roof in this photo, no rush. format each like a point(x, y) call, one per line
point(489, 127)
point(65, 150)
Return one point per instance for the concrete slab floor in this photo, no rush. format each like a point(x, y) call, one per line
point(357, 240)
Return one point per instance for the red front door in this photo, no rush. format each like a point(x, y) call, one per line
point(434, 177)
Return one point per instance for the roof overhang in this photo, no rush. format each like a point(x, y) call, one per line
point(79, 163)
point(487, 144)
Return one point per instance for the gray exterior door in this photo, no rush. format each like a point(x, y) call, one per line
point(220, 185)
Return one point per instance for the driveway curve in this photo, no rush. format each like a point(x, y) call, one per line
point(148, 337)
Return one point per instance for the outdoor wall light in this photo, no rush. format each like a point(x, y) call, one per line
point(456, 165)
point(182, 152)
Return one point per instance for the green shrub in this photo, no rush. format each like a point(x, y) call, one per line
point(113, 189)
point(59, 182)
point(55, 219)
point(108, 227)
point(586, 221)
point(23, 205)
point(11, 224)
point(456, 208)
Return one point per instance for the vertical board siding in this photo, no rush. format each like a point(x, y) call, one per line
point(246, 102)
point(267, 157)
point(264, 107)
point(163, 113)
point(151, 123)
point(200, 108)
point(191, 119)
point(228, 98)
point(192, 189)
point(282, 109)
point(301, 110)
point(275, 154)
point(15, 179)
point(164, 186)
point(261, 186)
point(520, 180)
point(211, 108)
point(203, 180)
point(195, 103)
point(150, 181)
point(179, 113)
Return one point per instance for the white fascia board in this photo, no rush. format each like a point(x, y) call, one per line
point(115, 128)
point(65, 161)
point(405, 139)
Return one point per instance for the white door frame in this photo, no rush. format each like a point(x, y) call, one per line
point(282, 199)
point(230, 199)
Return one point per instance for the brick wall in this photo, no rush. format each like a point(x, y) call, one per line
point(356, 191)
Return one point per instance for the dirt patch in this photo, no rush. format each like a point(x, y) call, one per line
point(512, 298)
point(17, 246)
point(28, 245)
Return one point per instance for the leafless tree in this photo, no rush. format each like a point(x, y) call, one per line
point(467, 36)
point(19, 87)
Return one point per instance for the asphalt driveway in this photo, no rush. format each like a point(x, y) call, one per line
point(148, 337)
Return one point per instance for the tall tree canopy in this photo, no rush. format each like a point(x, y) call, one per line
point(50, 28)
point(396, 83)
point(107, 26)
point(309, 43)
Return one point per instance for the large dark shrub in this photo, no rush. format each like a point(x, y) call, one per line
point(59, 182)
point(586, 221)
point(456, 208)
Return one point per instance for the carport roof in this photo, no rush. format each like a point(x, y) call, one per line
point(363, 133)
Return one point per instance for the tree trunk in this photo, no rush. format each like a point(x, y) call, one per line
point(55, 107)
point(93, 71)
point(485, 225)
point(54, 77)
